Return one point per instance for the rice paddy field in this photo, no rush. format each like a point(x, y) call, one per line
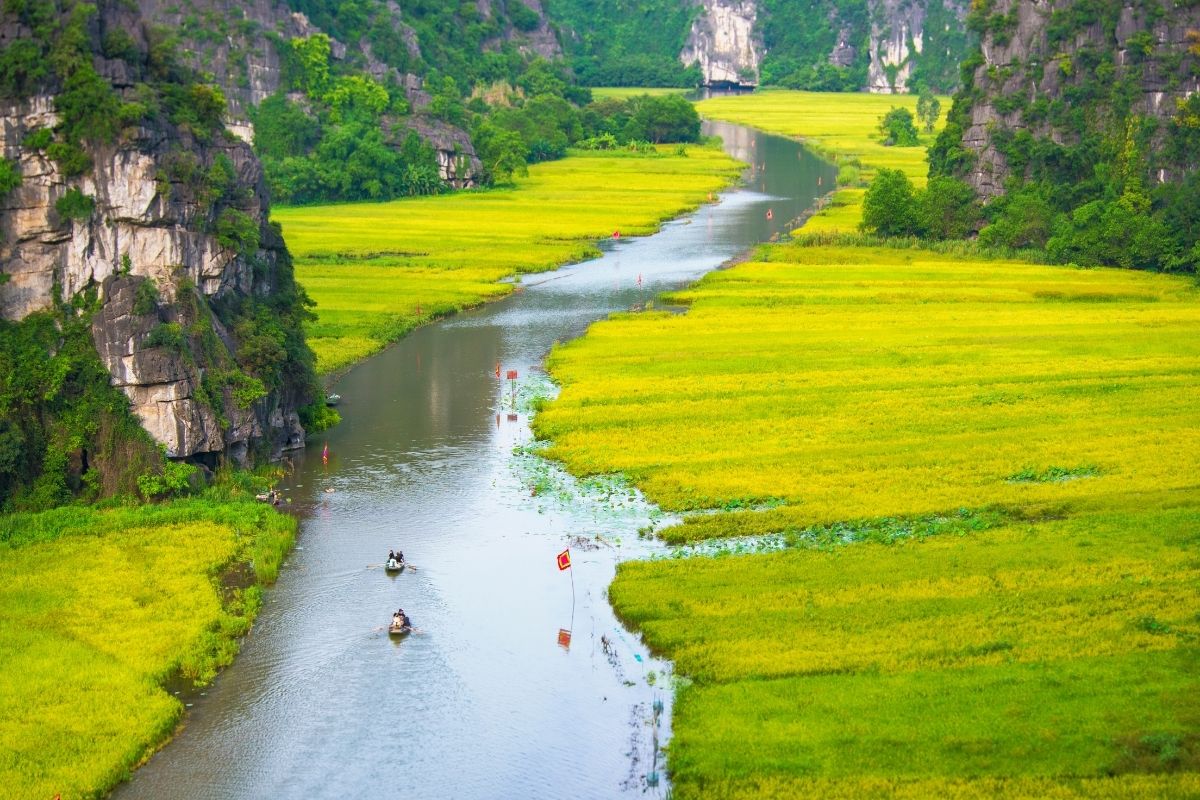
point(377, 270)
point(841, 126)
point(98, 611)
point(986, 475)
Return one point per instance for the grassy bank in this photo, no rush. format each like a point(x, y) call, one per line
point(987, 473)
point(377, 270)
point(842, 127)
point(97, 609)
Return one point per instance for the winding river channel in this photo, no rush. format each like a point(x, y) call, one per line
point(490, 698)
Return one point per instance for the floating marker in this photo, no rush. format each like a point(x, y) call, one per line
point(770, 214)
point(616, 234)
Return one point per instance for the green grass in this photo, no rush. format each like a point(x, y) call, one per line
point(1043, 642)
point(377, 270)
point(97, 609)
point(840, 126)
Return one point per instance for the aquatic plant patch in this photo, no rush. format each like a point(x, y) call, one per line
point(97, 610)
point(377, 270)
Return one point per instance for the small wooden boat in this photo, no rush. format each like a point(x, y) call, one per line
point(333, 399)
point(394, 566)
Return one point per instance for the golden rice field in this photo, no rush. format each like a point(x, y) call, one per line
point(843, 127)
point(376, 270)
point(97, 610)
point(1037, 428)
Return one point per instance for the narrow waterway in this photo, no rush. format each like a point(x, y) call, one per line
point(518, 683)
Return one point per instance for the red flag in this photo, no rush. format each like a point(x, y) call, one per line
point(511, 374)
point(564, 638)
point(564, 560)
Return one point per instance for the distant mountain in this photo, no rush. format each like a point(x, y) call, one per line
point(838, 45)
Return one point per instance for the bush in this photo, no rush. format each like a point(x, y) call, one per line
point(898, 129)
point(889, 208)
point(10, 176)
point(848, 175)
point(75, 205)
point(174, 480)
point(145, 298)
point(38, 139)
point(237, 230)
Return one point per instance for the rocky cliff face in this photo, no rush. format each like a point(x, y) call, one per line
point(897, 37)
point(1050, 70)
point(238, 45)
point(168, 231)
point(725, 42)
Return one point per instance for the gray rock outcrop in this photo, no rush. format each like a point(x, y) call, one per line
point(1021, 65)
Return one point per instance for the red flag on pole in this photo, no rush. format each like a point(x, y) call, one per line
point(564, 560)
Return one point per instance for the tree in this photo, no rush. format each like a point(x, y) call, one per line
point(929, 108)
point(946, 209)
point(898, 129)
point(669, 118)
point(502, 151)
point(889, 208)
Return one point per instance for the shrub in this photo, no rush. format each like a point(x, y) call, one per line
point(38, 139)
point(10, 176)
point(237, 230)
point(173, 480)
point(169, 335)
point(145, 299)
point(75, 205)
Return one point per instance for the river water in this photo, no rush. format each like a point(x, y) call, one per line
point(489, 699)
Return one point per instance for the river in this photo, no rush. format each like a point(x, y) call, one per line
point(490, 699)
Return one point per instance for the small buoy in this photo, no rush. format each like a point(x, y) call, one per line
point(616, 234)
point(770, 214)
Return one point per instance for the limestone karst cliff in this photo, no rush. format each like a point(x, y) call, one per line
point(135, 209)
point(1053, 80)
point(725, 43)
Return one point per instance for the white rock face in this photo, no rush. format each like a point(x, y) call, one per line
point(723, 41)
point(144, 228)
point(897, 34)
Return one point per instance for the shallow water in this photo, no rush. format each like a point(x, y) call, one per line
point(485, 701)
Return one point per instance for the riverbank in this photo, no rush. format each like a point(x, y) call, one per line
point(841, 127)
point(983, 470)
point(99, 610)
point(378, 270)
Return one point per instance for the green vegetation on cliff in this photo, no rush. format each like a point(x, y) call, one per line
point(1085, 166)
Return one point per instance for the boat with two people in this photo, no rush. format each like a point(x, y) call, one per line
point(395, 561)
point(401, 624)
